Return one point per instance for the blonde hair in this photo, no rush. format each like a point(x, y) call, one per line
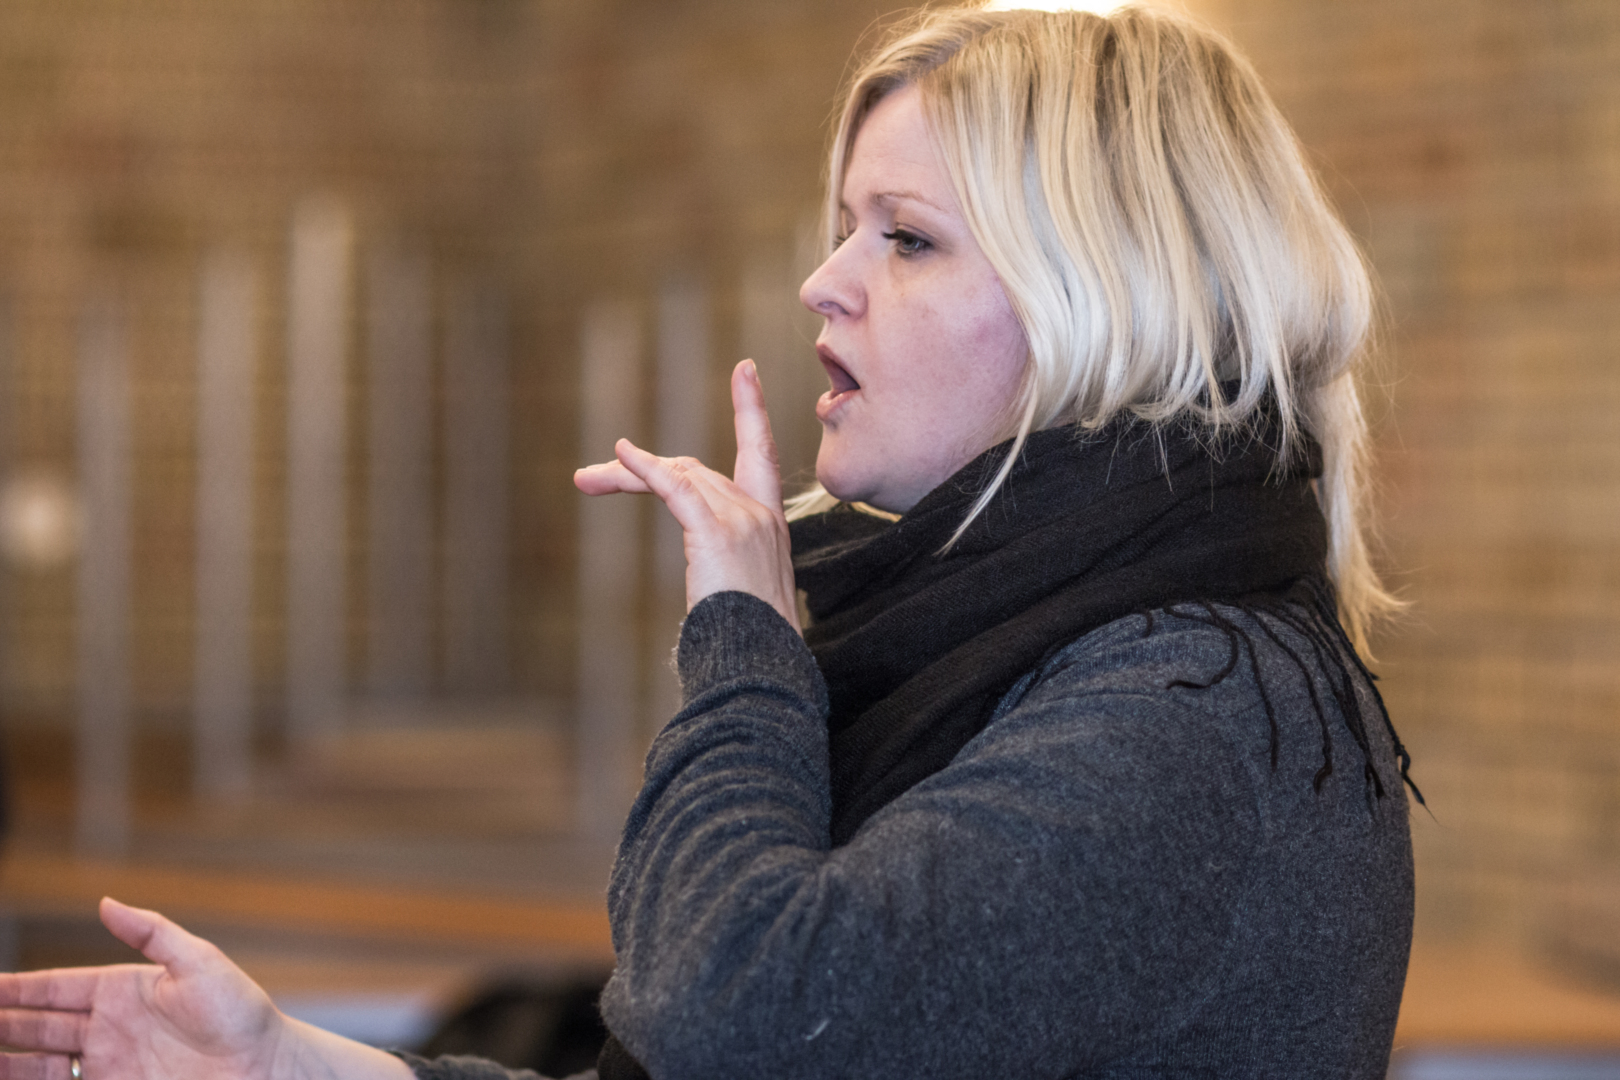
point(1156, 231)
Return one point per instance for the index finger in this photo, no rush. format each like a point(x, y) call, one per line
point(609, 478)
point(758, 472)
point(60, 989)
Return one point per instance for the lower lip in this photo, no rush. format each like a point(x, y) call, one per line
point(829, 403)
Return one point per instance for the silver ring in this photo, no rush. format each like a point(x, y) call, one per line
point(75, 1069)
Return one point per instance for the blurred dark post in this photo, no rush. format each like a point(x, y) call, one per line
point(477, 497)
point(399, 547)
point(8, 918)
point(8, 529)
point(102, 611)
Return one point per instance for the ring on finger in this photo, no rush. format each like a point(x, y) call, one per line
point(75, 1067)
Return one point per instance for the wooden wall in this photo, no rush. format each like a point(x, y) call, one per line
point(576, 150)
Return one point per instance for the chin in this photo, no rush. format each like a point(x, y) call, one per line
point(853, 490)
point(841, 482)
point(840, 488)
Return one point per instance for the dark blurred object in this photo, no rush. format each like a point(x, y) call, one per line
point(555, 1030)
point(5, 794)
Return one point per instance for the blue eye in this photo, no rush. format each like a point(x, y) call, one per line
point(907, 243)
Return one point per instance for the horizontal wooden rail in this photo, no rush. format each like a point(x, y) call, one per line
point(36, 883)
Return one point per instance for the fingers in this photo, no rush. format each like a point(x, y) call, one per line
point(736, 538)
point(158, 939)
point(690, 489)
point(67, 989)
point(34, 1067)
point(609, 478)
point(758, 472)
point(40, 1029)
point(133, 926)
point(674, 480)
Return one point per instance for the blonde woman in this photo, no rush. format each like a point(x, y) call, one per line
point(1075, 770)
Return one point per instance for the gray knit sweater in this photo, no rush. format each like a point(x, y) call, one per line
point(1109, 881)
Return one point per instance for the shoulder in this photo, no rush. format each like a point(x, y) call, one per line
point(1097, 745)
point(1154, 651)
point(1106, 707)
point(1274, 693)
point(1137, 654)
point(1135, 667)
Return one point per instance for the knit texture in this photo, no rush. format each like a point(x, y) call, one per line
point(455, 1067)
point(1109, 881)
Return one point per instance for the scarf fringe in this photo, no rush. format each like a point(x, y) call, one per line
point(1309, 610)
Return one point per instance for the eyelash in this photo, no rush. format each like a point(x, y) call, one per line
point(907, 244)
point(902, 238)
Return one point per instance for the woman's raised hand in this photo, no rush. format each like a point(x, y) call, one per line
point(736, 536)
point(191, 1014)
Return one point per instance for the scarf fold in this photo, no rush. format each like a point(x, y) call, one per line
point(918, 644)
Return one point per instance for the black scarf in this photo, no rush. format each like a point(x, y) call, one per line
point(918, 644)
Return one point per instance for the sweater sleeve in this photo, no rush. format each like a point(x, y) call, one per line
point(1065, 886)
point(456, 1067)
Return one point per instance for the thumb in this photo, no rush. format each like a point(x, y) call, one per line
point(757, 473)
point(158, 939)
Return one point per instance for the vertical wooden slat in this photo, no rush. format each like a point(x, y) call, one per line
point(477, 491)
point(399, 545)
point(102, 755)
point(609, 574)
point(317, 337)
point(684, 407)
point(223, 680)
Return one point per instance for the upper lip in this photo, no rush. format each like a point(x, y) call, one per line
point(836, 371)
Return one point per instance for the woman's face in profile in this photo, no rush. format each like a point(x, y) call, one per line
point(923, 350)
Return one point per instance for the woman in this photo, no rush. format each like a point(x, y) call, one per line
point(1075, 770)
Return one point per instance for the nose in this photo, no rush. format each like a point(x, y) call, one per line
point(834, 288)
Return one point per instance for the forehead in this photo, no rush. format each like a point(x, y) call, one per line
point(895, 156)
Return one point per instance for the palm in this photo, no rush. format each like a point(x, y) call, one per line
point(193, 1015)
point(191, 1027)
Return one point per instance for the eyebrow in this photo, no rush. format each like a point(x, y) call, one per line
point(897, 195)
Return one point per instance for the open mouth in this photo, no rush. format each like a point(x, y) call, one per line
point(844, 385)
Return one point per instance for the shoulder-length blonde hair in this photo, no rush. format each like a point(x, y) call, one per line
point(1156, 230)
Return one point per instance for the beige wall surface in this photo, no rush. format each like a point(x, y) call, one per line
point(1474, 147)
point(576, 151)
point(562, 151)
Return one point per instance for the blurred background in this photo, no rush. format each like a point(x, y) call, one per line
point(308, 310)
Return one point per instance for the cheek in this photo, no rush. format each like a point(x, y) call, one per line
point(966, 385)
point(992, 346)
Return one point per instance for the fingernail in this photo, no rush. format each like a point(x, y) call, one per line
point(753, 370)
